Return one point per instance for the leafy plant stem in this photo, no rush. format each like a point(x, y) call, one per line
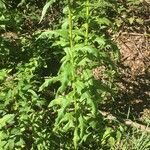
point(70, 25)
point(87, 22)
point(72, 62)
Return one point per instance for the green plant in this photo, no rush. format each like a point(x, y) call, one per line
point(134, 141)
point(70, 48)
point(79, 95)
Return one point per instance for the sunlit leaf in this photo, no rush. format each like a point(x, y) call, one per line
point(33, 92)
point(81, 126)
point(104, 21)
point(76, 137)
point(6, 119)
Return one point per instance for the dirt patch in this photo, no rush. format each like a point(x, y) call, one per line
point(134, 81)
point(135, 53)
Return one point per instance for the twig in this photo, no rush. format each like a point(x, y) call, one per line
point(132, 33)
point(135, 34)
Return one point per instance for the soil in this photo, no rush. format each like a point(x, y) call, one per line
point(134, 83)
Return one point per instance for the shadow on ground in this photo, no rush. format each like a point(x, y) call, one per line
point(133, 100)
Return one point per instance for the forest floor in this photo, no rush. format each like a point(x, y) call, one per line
point(133, 101)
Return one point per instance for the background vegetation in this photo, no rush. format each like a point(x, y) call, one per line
point(60, 67)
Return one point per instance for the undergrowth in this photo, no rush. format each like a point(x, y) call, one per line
point(55, 72)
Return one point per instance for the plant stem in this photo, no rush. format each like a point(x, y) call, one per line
point(73, 75)
point(70, 25)
point(87, 22)
point(71, 52)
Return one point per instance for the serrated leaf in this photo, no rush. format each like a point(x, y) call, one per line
point(86, 49)
point(100, 40)
point(62, 33)
point(87, 74)
point(84, 61)
point(58, 119)
point(69, 125)
point(61, 43)
point(65, 76)
point(84, 137)
point(104, 21)
point(64, 103)
point(48, 34)
point(92, 104)
point(69, 120)
point(79, 86)
point(90, 50)
point(56, 101)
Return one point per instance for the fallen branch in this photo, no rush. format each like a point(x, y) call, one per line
point(135, 34)
point(127, 122)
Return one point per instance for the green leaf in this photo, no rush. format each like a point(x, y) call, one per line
point(84, 138)
point(65, 76)
point(93, 124)
point(58, 119)
point(20, 142)
point(2, 22)
point(68, 117)
point(111, 141)
point(56, 101)
point(11, 144)
point(86, 49)
point(107, 133)
point(68, 126)
point(3, 74)
point(48, 82)
point(87, 74)
point(93, 106)
point(81, 126)
point(84, 61)
point(79, 86)
point(140, 21)
point(86, 96)
point(76, 138)
point(131, 20)
point(104, 21)
point(6, 119)
point(118, 135)
point(100, 40)
point(33, 93)
point(2, 4)
point(56, 33)
point(48, 4)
